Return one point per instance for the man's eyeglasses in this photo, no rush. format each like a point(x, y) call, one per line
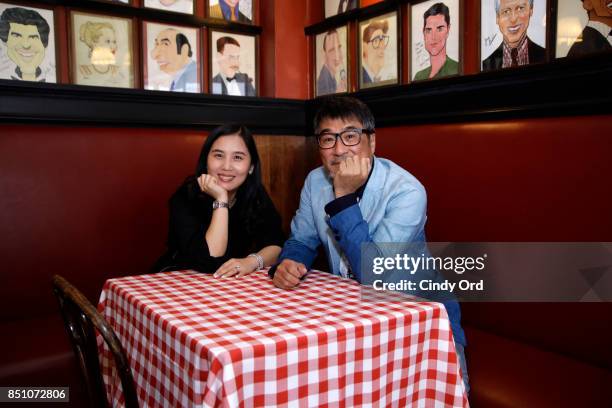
point(349, 137)
point(380, 41)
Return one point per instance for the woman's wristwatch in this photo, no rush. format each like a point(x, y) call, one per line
point(219, 204)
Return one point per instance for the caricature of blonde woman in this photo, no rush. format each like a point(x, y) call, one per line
point(102, 69)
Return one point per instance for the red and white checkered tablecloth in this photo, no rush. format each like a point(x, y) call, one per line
point(194, 340)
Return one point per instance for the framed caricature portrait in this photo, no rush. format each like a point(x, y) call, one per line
point(233, 64)
point(331, 56)
point(102, 50)
point(179, 6)
point(333, 7)
point(171, 56)
point(378, 51)
point(512, 33)
point(583, 27)
point(238, 11)
point(435, 48)
point(27, 44)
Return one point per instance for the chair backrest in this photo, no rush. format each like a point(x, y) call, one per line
point(80, 320)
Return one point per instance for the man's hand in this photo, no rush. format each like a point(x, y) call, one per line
point(351, 175)
point(288, 274)
point(210, 185)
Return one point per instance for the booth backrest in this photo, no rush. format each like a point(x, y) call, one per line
point(91, 203)
point(545, 179)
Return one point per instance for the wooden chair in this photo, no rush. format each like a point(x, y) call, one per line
point(80, 320)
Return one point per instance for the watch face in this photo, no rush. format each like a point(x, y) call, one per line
point(219, 204)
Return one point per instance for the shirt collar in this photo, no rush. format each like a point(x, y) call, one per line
point(602, 28)
point(224, 78)
point(233, 86)
point(370, 74)
point(522, 53)
point(19, 73)
point(520, 45)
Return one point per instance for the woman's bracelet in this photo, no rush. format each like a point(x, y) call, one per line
point(260, 261)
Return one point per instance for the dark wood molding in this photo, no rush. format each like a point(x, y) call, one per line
point(27, 102)
point(563, 87)
point(357, 14)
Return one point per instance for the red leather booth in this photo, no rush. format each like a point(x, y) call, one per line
point(544, 179)
point(90, 204)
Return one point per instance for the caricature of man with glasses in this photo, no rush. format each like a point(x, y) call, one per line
point(375, 42)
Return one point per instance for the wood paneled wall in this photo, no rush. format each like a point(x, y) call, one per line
point(286, 161)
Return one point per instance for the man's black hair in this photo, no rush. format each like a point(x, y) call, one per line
point(345, 108)
point(181, 40)
point(438, 8)
point(20, 15)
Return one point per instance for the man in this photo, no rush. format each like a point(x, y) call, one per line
point(228, 10)
point(512, 17)
point(334, 61)
point(229, 80)
point(173, 53)
point(355, 198)
point(375, 41)
point(26, 36)
point(346, 5)
point(597, 34)
point(436, 25)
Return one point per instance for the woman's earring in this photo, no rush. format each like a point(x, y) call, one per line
point(251, 170)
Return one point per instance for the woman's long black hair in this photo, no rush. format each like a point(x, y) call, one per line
point(251, 196)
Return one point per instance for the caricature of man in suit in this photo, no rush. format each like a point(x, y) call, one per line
point(373, 49)
point(173, 53)
point(229, 80)
point(512, 17)
point(228, 10)
point(333, 66)
point(597, 34)
point(346, 5)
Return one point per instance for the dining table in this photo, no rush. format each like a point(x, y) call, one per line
point(194, 340)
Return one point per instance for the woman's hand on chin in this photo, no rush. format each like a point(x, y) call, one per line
point(210, 185)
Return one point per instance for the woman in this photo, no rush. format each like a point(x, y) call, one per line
point(223, 214)
point(101, 40)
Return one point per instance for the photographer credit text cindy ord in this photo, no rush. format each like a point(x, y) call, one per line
point(407, 265)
